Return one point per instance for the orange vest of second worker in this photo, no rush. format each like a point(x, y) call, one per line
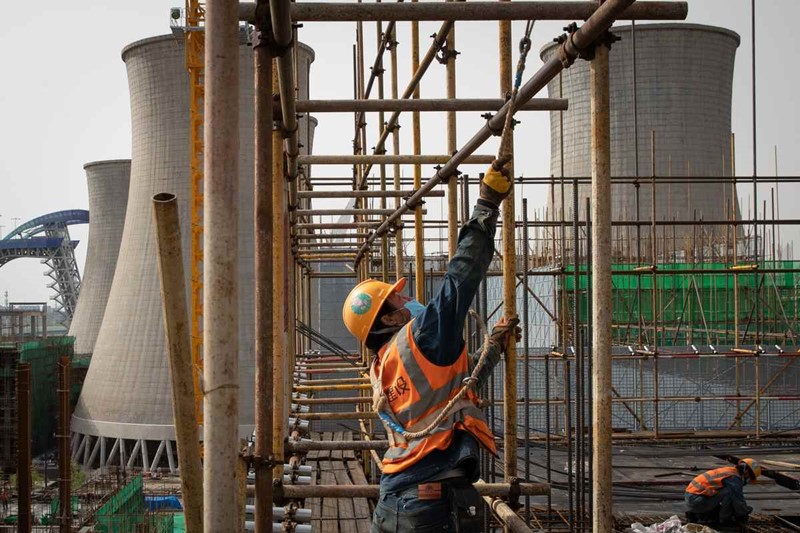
point(416, 392)
point(709, 483)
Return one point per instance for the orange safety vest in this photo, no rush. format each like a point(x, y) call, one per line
point(710, 483)
point(416, 391)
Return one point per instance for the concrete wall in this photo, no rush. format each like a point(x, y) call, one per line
point(107, 182)
point(127, 393)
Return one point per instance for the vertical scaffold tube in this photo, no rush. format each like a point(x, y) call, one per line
point(452, 145)
point(24, 476)
point(64, 465)
point(602, 519)
point(398, 238)
point(280, 386)
point(177, 329)
point(220, 264)
point(509, 279)
point(419, 232)
point(263, 270)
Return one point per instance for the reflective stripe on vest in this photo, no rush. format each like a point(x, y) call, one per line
point(416, 391)
point(709, 483)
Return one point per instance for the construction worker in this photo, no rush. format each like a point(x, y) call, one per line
point(418, 372)
point(717, 496)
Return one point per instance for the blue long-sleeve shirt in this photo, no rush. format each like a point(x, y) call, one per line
point(438, 332)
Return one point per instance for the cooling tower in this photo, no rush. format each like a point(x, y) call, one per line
point(684, 77)
point(124, 414)
point(107, 182)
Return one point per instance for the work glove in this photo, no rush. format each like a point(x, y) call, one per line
point(496, 183)
point(506, 332)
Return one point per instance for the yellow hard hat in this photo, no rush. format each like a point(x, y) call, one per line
point(753, 466)
point(363, 303)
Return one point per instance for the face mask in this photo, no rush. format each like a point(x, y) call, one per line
point(414, 307)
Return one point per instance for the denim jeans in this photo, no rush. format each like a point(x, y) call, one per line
point(712, 509)
point(459, 510)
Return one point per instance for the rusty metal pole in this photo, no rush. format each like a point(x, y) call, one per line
point(602, 519)
point(24, 480)
point(220, 276)
point(452, 145)
point(279, 219)
point(398, 238)
point(63, 436)
point(419, 232)
point(177, 327)
point(509, 279)
point(263, 270)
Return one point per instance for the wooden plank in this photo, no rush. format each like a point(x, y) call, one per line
point(315, 504)
point(349, 454)
point(313, 455)
point(330, 507)
point(363, 512)
point(347, 512)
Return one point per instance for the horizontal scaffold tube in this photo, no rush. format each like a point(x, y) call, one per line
point(443, 104)
point(334, 401)
point(366, 415)
point(339, 212)
point(364, 12)
point(303, 446)
point(325, 388)
point(328, 236)
point(362, 194)
point(390, 159)
point(568, 52)
point(296, 492)
point(337, 225)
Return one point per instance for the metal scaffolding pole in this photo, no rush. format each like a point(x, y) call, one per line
point(220, 276)
point(424, 105)
point(263, 274)
point(280, 13)
point(281, 389)
point(509, 278)
point(63, 436)
point(435, 11)
point(602, 519)
point(419, 231)
point(24, 476)
point(452, 143)
point(177, 329)
point(395, 131)
point(416, 159)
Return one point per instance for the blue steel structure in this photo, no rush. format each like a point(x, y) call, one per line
point(47, 238)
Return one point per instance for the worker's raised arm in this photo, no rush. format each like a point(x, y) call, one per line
point(439, 329)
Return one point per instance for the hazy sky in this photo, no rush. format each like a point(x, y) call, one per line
point(64, 100)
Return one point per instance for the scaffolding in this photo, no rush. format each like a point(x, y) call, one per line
point(631, 334)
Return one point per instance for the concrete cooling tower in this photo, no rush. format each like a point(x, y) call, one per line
point(684, 76)
point(107, 182)
point(124, 414)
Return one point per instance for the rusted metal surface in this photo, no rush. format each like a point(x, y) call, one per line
point(220, 267)
point(263, 274)
point(343, 12)
point(63, 437)
point(24, 477)
point(428, 104)
point(415, 159)
point(177, 328)
point(601, 292)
